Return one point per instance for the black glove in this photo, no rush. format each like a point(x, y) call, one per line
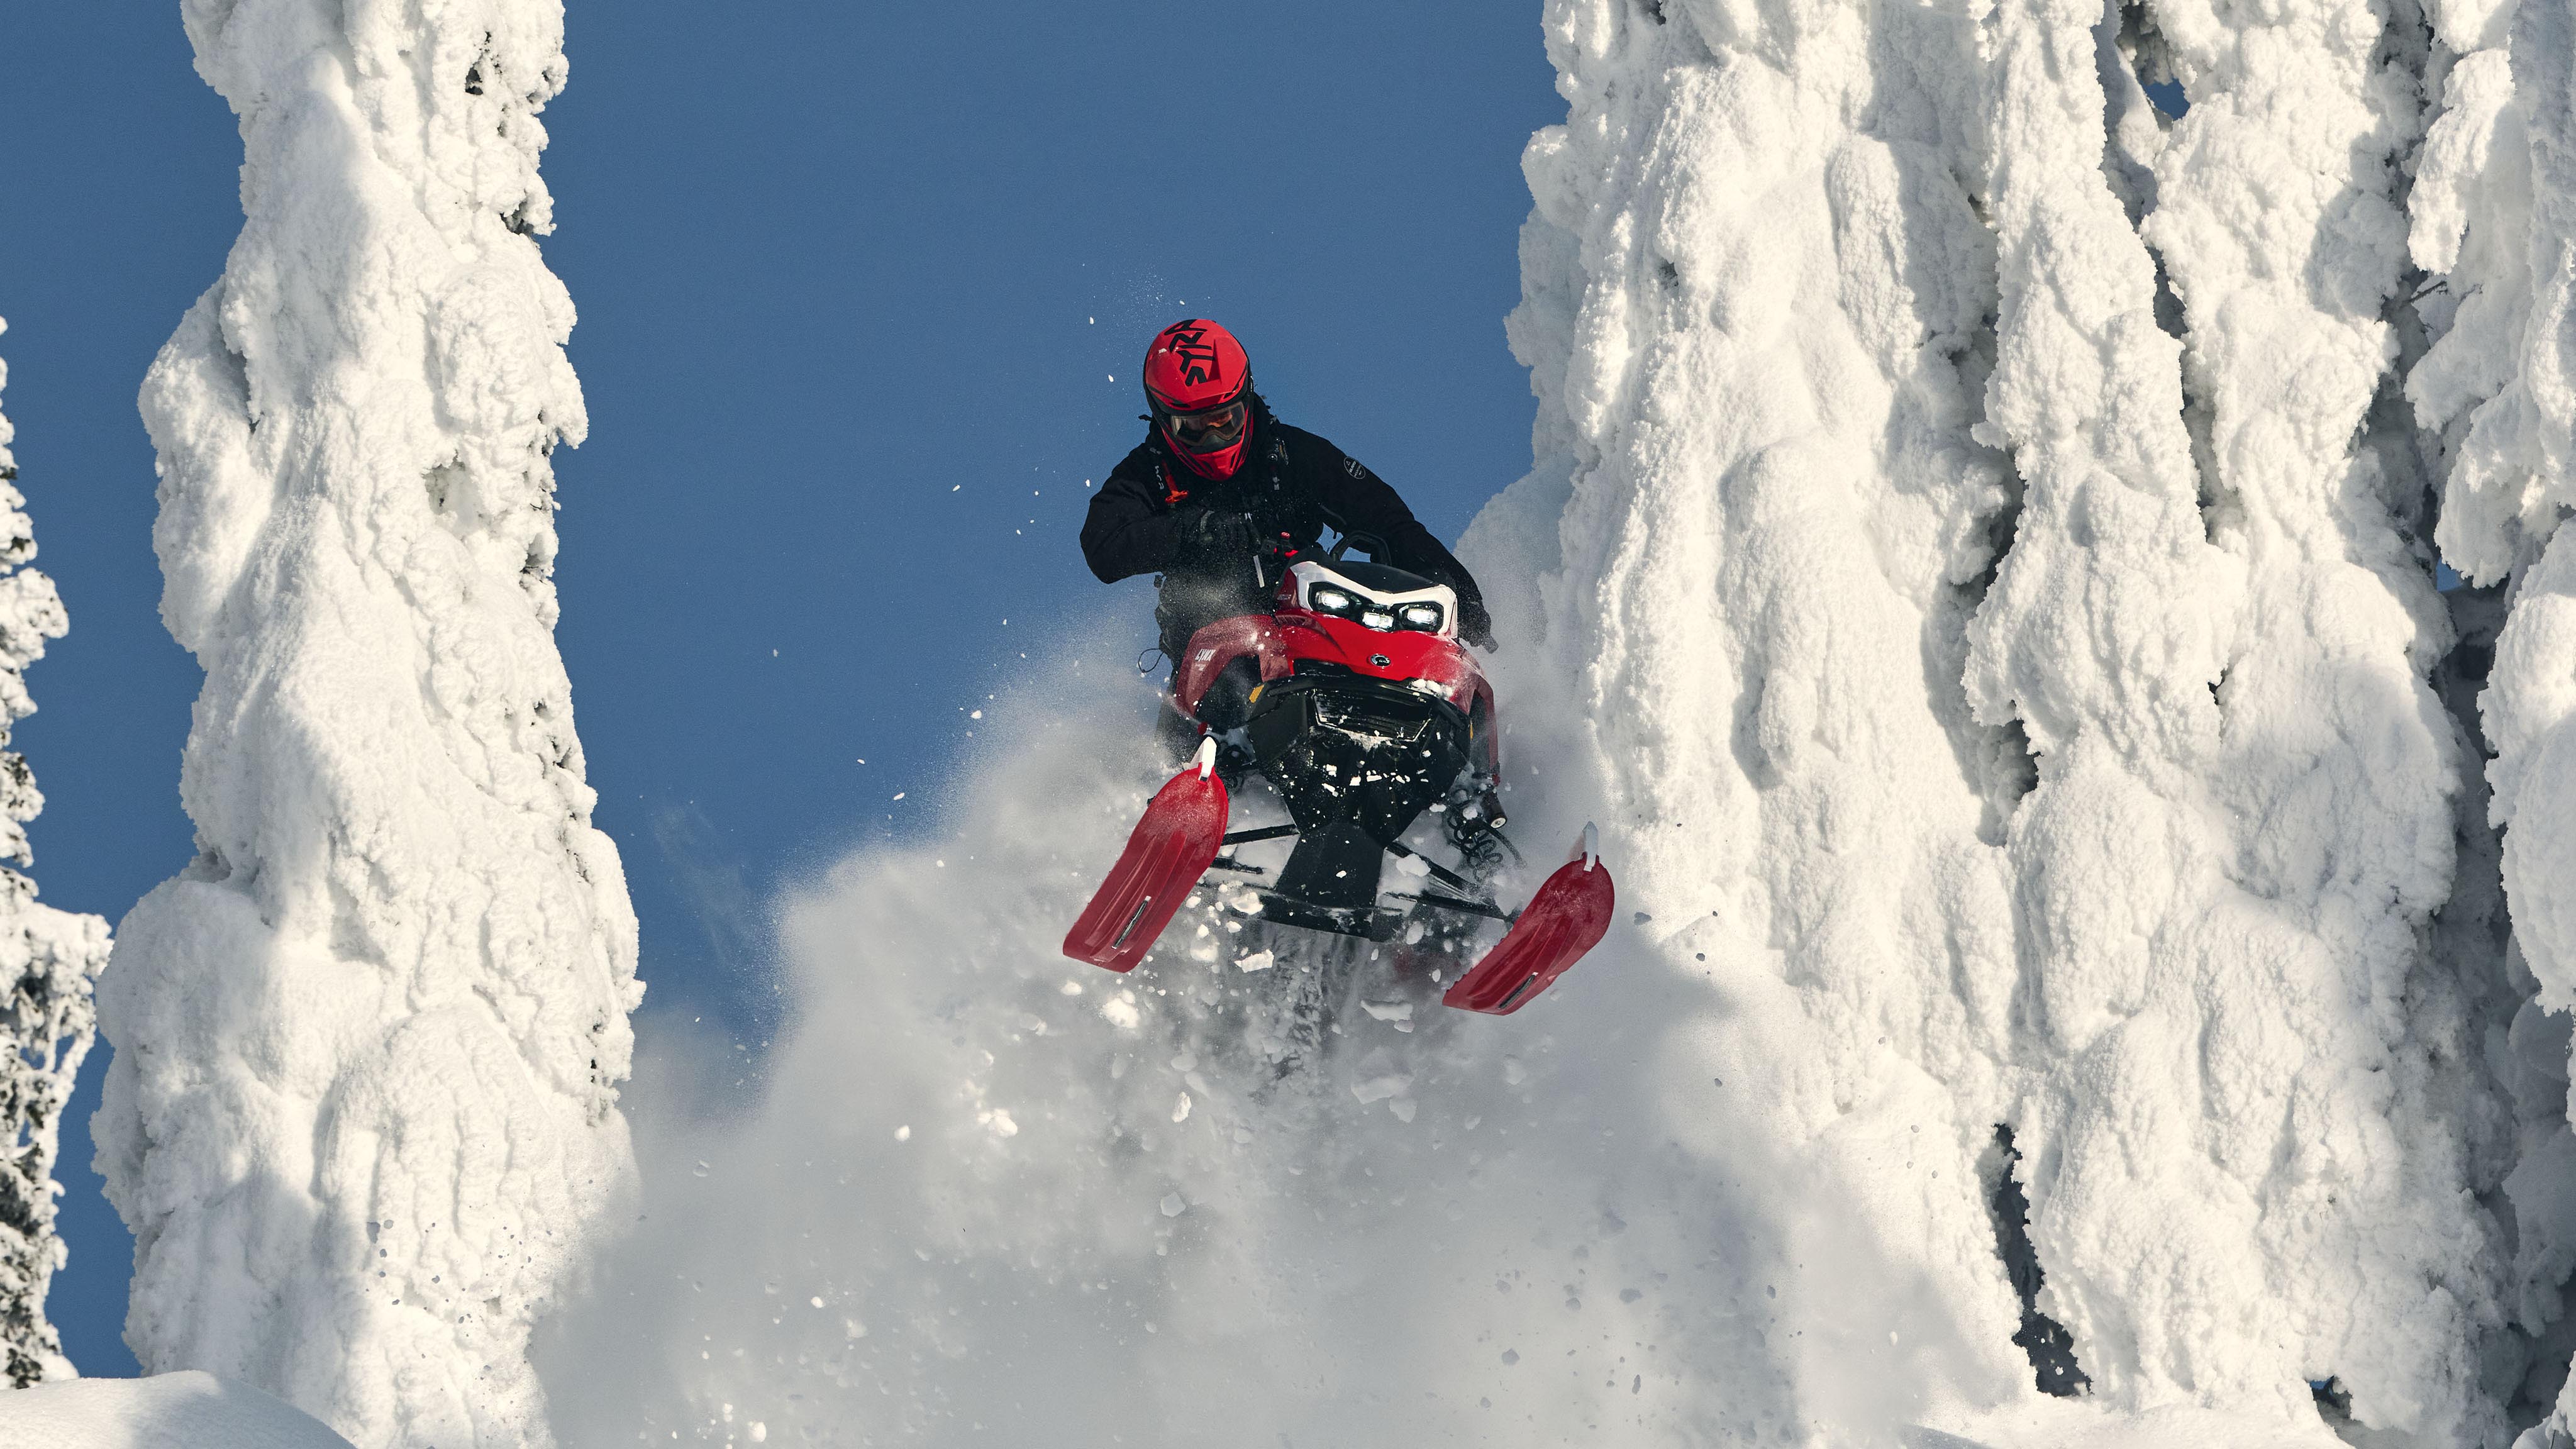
point(1474, 624)
point(1209, 533)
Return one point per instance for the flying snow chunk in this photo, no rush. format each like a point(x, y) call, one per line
point(1174, 1205)
point(1257, 961)
point(1379, 1088)
point(1181, 1108)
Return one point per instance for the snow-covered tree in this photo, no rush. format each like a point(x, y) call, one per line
point(49, 960)
point(364, 1099)
point(2493, 224)
point(1881, 341)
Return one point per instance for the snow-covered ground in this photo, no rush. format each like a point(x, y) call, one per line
point(187, 1410)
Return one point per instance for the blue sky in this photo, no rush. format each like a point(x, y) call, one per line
point(813, 245)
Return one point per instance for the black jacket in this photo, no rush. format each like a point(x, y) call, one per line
point(1291, 482)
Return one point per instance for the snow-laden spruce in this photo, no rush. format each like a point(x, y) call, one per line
point(2246, 1128)
point(2493, 219)
point(2194, 977)
point(49, 960)
point(364, 1103)
point(1753, 288)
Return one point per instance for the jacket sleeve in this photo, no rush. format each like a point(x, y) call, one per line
point(1126, 534)
point(1356, 500)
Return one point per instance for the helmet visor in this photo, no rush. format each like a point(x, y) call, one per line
point(1212, 430)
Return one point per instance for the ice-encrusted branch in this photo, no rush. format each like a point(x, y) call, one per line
point(363, 1103)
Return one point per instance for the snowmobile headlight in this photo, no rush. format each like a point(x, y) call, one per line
point(1378, 619)
point(1424, 617)
point(1332, 601)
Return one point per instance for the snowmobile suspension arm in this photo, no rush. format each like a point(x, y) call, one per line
point(1467, 908)
point(1441, 873)
point(1247, 837)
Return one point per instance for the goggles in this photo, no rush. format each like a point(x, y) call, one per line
point(1210, 430)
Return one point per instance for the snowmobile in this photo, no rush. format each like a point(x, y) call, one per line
point(1354, 698)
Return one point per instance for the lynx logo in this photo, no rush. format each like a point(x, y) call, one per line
point(1197, 354)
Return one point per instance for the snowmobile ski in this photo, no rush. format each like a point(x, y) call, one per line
point(1568, 917)
point(1170, 849)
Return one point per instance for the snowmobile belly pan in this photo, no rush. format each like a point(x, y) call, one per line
point(1568, 917)
point(1169, 850)
point(1340, 747)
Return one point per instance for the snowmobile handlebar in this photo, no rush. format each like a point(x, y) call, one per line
point(1370, 543)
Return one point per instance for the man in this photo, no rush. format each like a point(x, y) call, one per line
point(1219, 484)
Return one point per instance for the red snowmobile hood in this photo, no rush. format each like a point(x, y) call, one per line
point(1283, 640)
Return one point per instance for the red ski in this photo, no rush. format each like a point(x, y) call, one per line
point(1568, 917)
point(1165, 856)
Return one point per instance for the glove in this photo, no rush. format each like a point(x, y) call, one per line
point(1271, 529)
point(1207, 532)
point(1474, 624)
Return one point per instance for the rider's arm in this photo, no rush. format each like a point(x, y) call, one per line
point(1129, 531)
point(1356, 500)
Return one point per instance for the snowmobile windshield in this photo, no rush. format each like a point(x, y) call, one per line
point(1212, 430)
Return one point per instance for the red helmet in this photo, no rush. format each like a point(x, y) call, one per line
point(1200, 384)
